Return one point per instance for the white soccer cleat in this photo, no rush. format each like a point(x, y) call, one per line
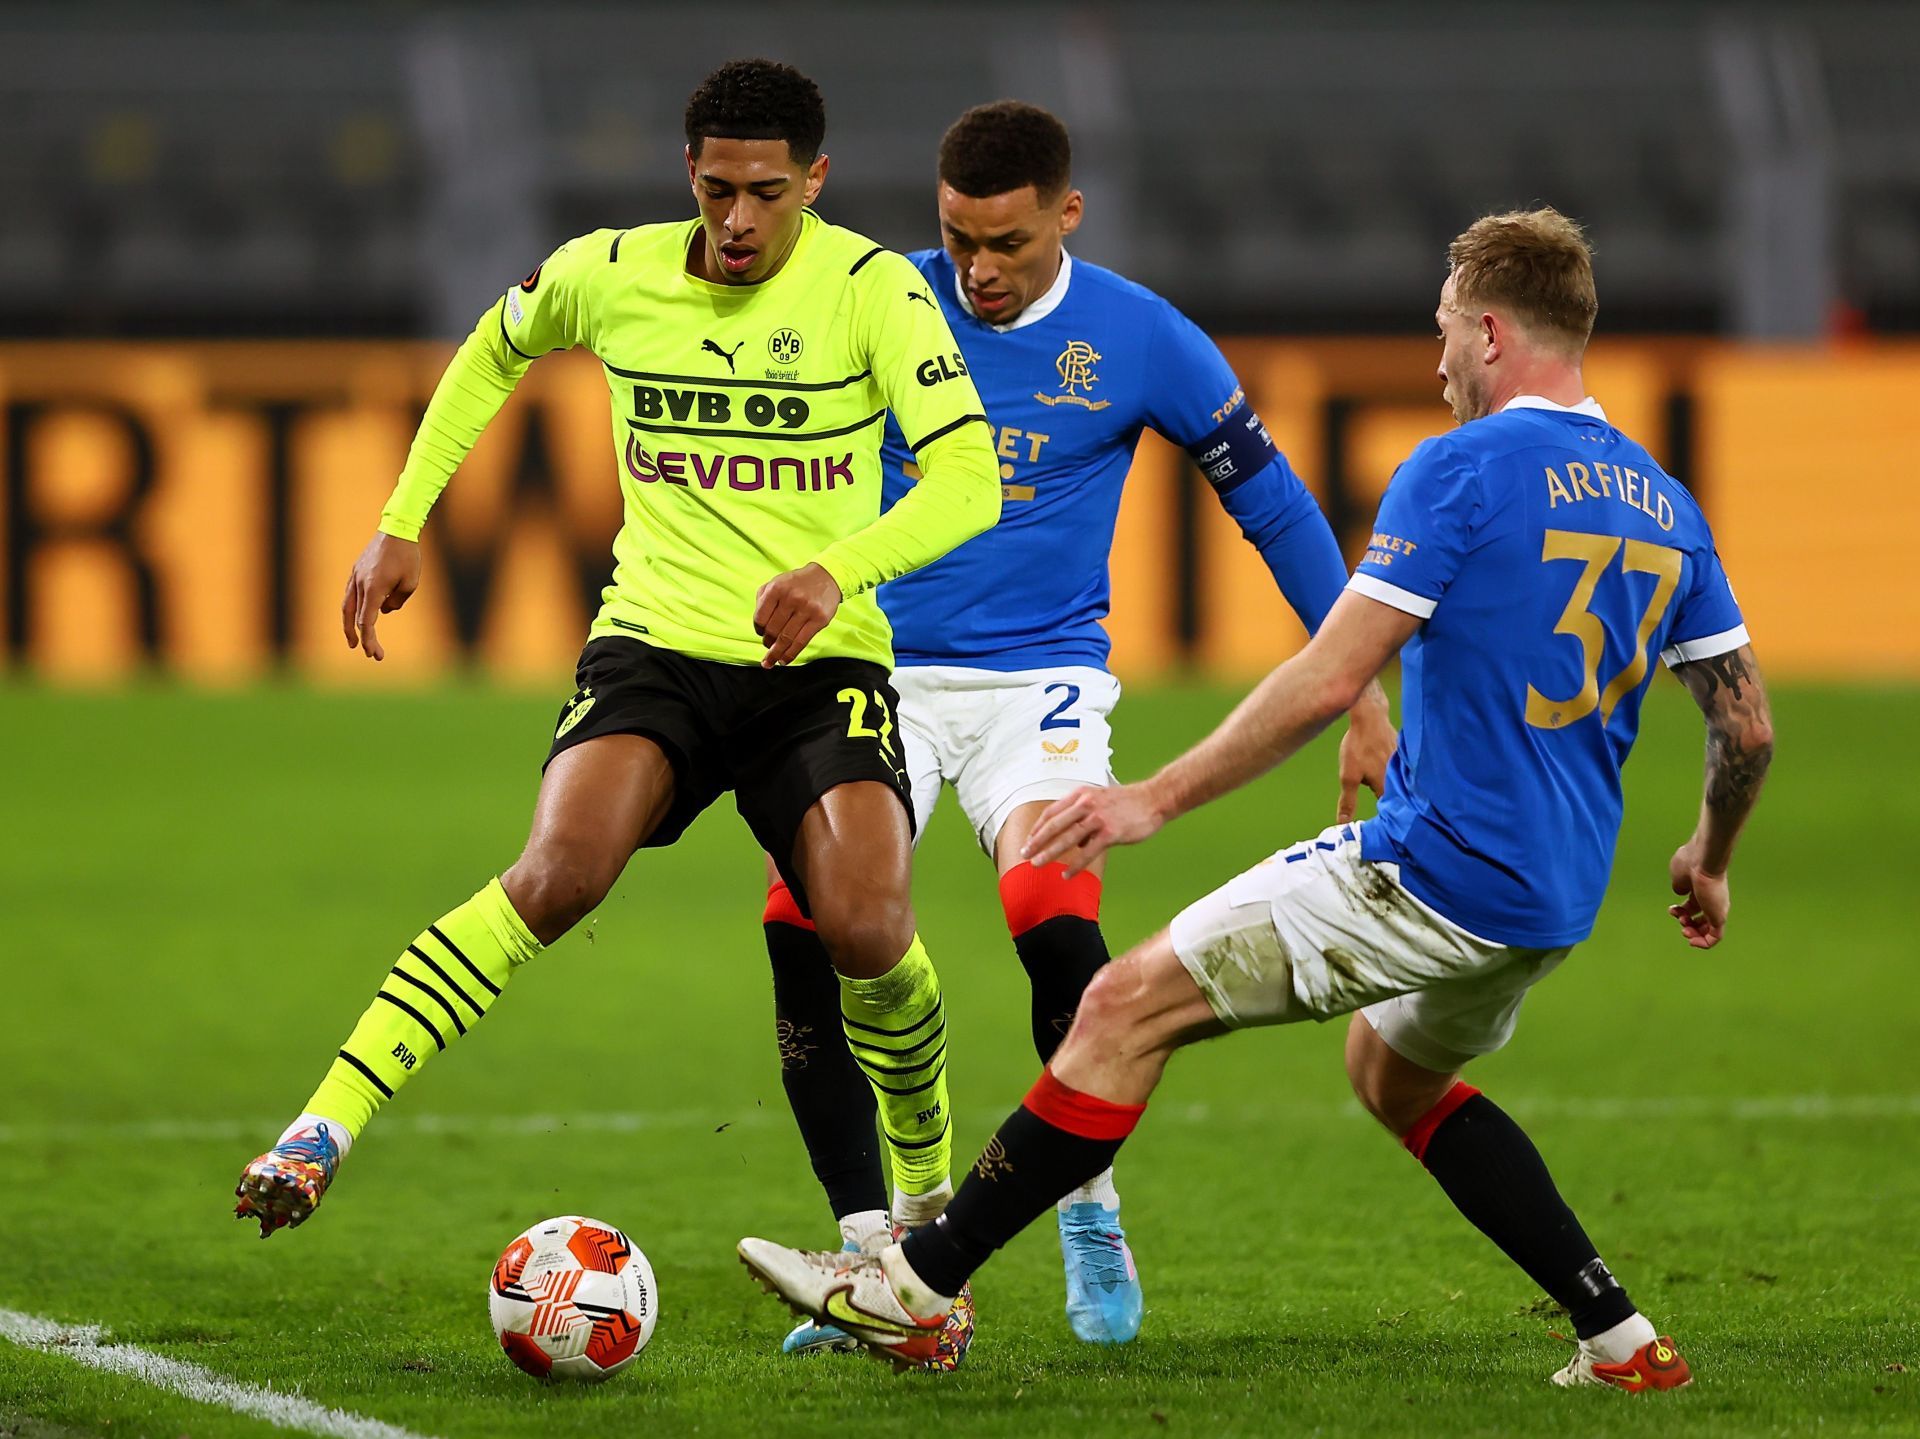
point(853, 1293)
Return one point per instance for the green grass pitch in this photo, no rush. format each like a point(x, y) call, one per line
point(200, 893)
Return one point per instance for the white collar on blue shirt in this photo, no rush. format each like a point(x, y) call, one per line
point(1589, 407)
point(1039, 309)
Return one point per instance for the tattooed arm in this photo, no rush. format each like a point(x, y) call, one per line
point(1739, 748)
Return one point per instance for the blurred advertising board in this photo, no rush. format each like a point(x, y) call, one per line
point(192, 510)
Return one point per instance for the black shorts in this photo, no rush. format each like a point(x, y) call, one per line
point(779, 739)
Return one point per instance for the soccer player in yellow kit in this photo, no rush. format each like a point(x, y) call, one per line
point(751, 356)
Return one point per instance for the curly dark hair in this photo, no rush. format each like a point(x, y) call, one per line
point(1004, 146)
point(758, 100)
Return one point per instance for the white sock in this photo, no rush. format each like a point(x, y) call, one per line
point(1097, 1190)
point(909, 1288)
point(1618, 1344)
point(868, 1231)
point(913, 1210)
point(307, 1121)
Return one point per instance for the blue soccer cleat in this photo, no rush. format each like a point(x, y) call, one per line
point(1104, 1303)
point(810, 1336)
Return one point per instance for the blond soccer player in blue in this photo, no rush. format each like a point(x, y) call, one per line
point(1530, 568)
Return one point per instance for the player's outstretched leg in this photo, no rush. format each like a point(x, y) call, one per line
point(1497, 1179)
point(1084, 1105)
point(1055, 924)
point(441, 986)
point(597, 803)
point(828, 1093)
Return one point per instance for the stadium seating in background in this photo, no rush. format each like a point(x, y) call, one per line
point(371, 170)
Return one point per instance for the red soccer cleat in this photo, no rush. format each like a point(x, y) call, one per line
point(1656, 1364)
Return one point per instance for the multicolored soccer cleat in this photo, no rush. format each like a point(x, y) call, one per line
point(852, 1292)
point(956, 1333)
point(1104, 1303)
point(1656, 1364)
point(283, 1186)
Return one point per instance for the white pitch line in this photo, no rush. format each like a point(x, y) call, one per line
point(81, 1343)
point(1753, 1109)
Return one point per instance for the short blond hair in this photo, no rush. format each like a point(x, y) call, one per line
point(1534, 263)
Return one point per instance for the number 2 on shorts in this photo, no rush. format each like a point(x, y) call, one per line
point(1053, 719)
point(857, 728)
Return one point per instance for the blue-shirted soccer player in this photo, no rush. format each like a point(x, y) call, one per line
point(1001, 660)
point(1529, 568)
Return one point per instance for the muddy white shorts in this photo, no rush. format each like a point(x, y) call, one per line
point(1003, 739)
point(1316, 931)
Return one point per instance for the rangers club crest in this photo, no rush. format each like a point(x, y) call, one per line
point(1075, 366)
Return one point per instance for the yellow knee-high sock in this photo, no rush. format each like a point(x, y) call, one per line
point(896, 1027)
point(439, 989)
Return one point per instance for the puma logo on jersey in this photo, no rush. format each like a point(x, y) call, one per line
point(922, 297)
point(726, 355)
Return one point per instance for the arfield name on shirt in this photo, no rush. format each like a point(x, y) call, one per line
point(1601, 481)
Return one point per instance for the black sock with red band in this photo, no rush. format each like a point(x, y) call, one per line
point(1497, 1179)
point(1055, 924)
point(1053, 1143)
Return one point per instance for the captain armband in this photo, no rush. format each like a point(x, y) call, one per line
point(1235, 451)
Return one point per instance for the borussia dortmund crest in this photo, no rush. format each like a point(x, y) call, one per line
point(576, 711)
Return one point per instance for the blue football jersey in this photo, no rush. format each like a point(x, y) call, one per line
point(1068, 388)
point(1553, 561)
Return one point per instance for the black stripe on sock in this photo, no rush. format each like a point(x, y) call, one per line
point(454, 950)
point(916, 1089)
point(854, 1042)
point(414, 1014)
point(933, 1013)
point(872, 1069)
point(372, 1078)
point(446, 979)
point(434, 994)
point(899, 1143)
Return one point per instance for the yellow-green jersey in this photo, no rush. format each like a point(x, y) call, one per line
point(747, 422)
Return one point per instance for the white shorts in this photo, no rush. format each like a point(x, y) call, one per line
point(1003, 739)
point(1316, 931)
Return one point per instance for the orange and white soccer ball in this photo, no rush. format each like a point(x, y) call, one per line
point(572, 1298)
